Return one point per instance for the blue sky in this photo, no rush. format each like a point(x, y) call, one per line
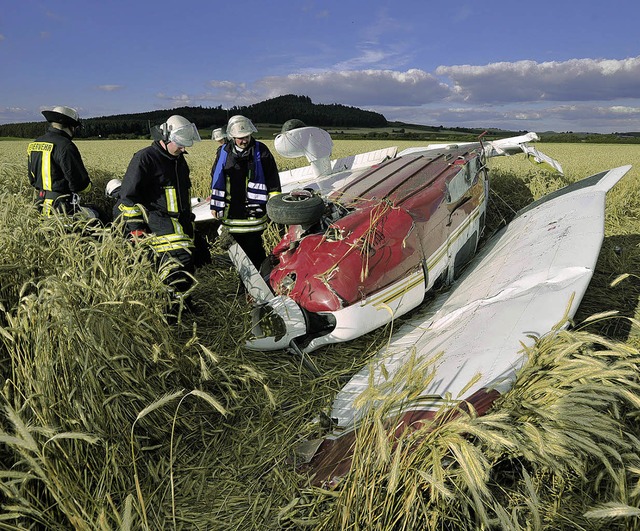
point(547, 65)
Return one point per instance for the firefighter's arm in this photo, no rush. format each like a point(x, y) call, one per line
point(131, 205)
point(70, 161)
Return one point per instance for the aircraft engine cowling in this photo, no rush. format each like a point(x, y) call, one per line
point(310, 142)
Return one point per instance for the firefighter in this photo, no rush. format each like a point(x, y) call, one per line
point(55, 166)
point(243, 177)
point(155, 203)
point(219, 135)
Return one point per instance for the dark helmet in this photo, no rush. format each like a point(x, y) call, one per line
point(62, 115)
point(289, 125)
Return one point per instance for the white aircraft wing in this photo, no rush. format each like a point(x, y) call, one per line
point(538, 157)
point(522, 283)
point(502, 147)
point(342, 170)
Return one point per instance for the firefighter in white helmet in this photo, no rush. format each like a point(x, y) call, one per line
point(155, 202)
point(243, 177)
point(219, 135)
point(55, 166)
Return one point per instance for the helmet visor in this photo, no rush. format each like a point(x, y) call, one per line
point(185, 136)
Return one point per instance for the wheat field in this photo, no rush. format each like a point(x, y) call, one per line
point(115, 417)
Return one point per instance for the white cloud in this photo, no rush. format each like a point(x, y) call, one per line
point(616, 117)
point(624, 111)
point(494, 84)
point(13, 110)
point(535, 117)
point(375, 51)
point(18, 114)
point(110, 88)
point(227, 85)
point(229, 94)
point(359, 87)
point(529, 81)
point(177, 100)
point(368, 57)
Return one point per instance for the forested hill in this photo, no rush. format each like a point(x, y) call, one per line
point(274, 111)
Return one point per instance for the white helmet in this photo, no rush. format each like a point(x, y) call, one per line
point(240, 126)
point(113, 188)
point(179, 130)
point(219, 134)
point(62, 115)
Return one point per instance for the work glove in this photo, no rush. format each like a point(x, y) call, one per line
point(136, 235)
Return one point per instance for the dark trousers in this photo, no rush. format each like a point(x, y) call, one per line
point(251, 243)
point(176, 269)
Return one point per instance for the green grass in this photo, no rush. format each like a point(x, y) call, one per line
point(114, 418)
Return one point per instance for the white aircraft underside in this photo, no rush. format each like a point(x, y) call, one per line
point(525, 281)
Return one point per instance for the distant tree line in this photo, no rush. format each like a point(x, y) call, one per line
point(592, 138)
point(278, 110)
point(275, 111)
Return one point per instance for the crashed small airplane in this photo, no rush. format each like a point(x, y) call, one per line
point(370, 235)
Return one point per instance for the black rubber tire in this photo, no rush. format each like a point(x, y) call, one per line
point(288, 209)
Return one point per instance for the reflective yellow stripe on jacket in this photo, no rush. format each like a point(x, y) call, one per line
point(246, 225)
point(172, 199)
point(131, 213)
point(47, 208)
point(45, 149)
point(171, 242)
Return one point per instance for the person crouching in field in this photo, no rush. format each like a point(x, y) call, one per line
point(55, 166)
point(155, 203)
